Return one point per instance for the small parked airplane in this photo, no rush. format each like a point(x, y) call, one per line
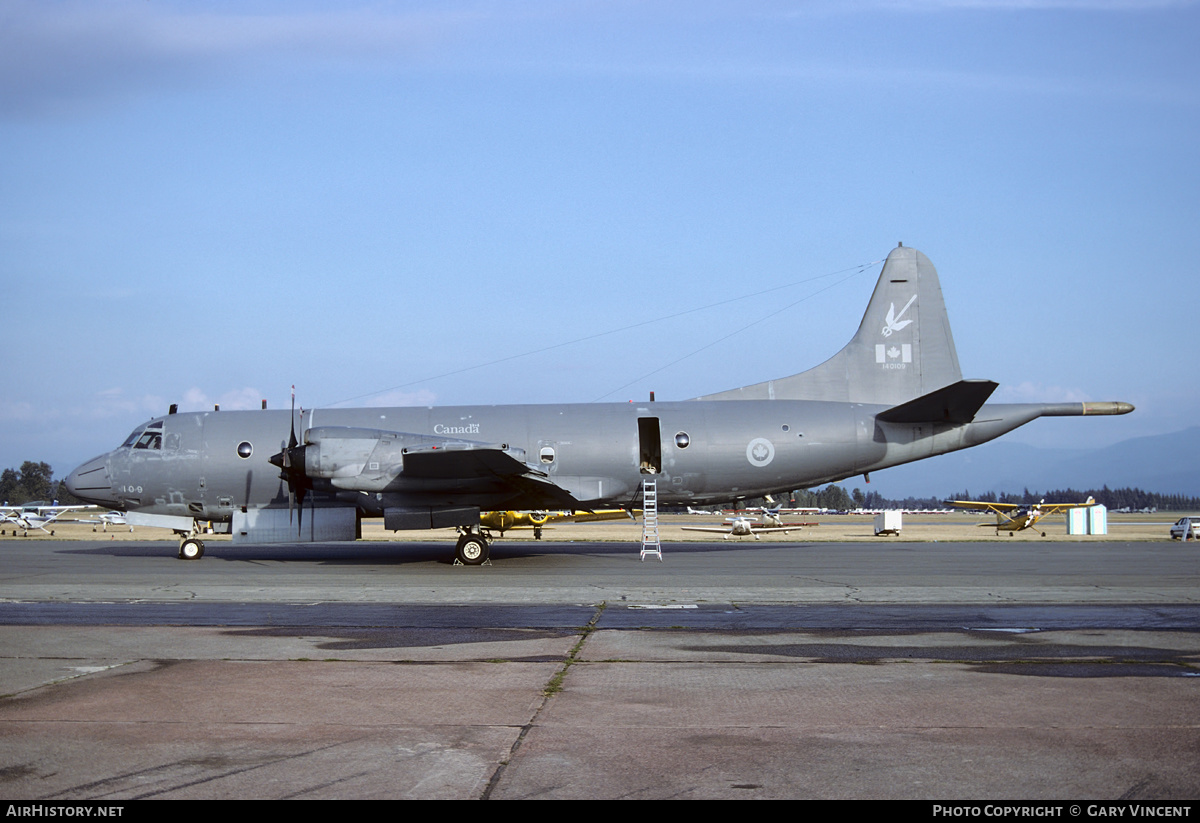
point(740, 526)
point(772, 514)
point(503, 521)
point(112, 518)
point(34, 515)
point(1015, 517)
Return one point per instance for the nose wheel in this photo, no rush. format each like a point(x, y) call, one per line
point(191, 549)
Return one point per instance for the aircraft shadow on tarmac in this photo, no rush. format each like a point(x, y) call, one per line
point(341, 639)
point(410, 553)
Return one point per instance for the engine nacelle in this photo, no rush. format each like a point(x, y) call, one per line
point(370, 460)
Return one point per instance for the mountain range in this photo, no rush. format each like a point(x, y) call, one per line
point(1165, 463)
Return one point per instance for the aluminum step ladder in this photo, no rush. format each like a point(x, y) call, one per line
point(650, 542)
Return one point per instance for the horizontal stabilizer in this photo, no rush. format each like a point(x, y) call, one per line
point(956, 403)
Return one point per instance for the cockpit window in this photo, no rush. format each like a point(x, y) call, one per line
point(151, 438)
point(131, 439)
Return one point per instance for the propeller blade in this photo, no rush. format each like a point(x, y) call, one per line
point(292, 439)
point(291, 460)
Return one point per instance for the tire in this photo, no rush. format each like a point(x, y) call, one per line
point(472, 550)
point(191, 549)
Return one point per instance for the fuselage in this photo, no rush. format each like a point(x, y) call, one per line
point(205, 465)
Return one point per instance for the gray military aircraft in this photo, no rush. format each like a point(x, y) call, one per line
point(894, 394)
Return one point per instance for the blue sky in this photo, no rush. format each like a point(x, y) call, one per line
point(210, 202)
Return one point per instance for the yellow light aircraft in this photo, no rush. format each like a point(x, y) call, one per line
point(503, 521)
point(1015, 517)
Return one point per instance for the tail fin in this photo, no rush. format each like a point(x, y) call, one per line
point(903, 348)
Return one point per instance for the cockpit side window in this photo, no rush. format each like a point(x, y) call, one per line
point(151, 438)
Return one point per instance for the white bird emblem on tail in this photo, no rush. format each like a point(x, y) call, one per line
point(894, 323)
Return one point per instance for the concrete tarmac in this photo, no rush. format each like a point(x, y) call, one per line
point(879, 669)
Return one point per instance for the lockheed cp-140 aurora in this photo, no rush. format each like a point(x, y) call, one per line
point(892, 395)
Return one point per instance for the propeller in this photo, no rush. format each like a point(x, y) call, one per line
point(291, 460)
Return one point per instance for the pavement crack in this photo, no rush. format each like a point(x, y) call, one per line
point(553, 687)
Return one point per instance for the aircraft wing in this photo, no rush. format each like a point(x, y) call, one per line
point(1057, 508)
point(50, 512)
point(513, 520)
point(977, 505)
point(40, 509)
point(1004, 508)
point(367, 460)
point(485, 463)
point(458, 464)
point(729, 529)
point(602, 514)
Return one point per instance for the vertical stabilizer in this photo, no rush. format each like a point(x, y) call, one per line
point(903, 348)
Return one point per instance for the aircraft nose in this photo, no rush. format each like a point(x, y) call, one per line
point(91, 482)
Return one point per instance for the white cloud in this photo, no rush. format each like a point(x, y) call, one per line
point(17, 410)
point(195, 399)
point(1030, 392)
point(114, 402)
point(54, 52)
point(421, 397)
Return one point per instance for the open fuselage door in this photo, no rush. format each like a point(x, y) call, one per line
point(649, 445)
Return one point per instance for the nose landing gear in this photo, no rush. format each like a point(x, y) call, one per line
point(191, 549)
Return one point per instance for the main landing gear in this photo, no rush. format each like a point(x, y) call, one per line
point(472, 548)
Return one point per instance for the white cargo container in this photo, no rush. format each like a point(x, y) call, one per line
point(888, 522)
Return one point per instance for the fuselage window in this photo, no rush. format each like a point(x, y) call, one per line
point(547, 454)
point(682, 440)
point(244, 449)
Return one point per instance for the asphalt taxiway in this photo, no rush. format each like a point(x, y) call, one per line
point(883, 669)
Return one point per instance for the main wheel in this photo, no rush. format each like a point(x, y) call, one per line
point(472, 550)
point(191, 549)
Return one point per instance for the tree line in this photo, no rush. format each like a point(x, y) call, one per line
point(33, 481)
point(837, 498)
point(1126, 498)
